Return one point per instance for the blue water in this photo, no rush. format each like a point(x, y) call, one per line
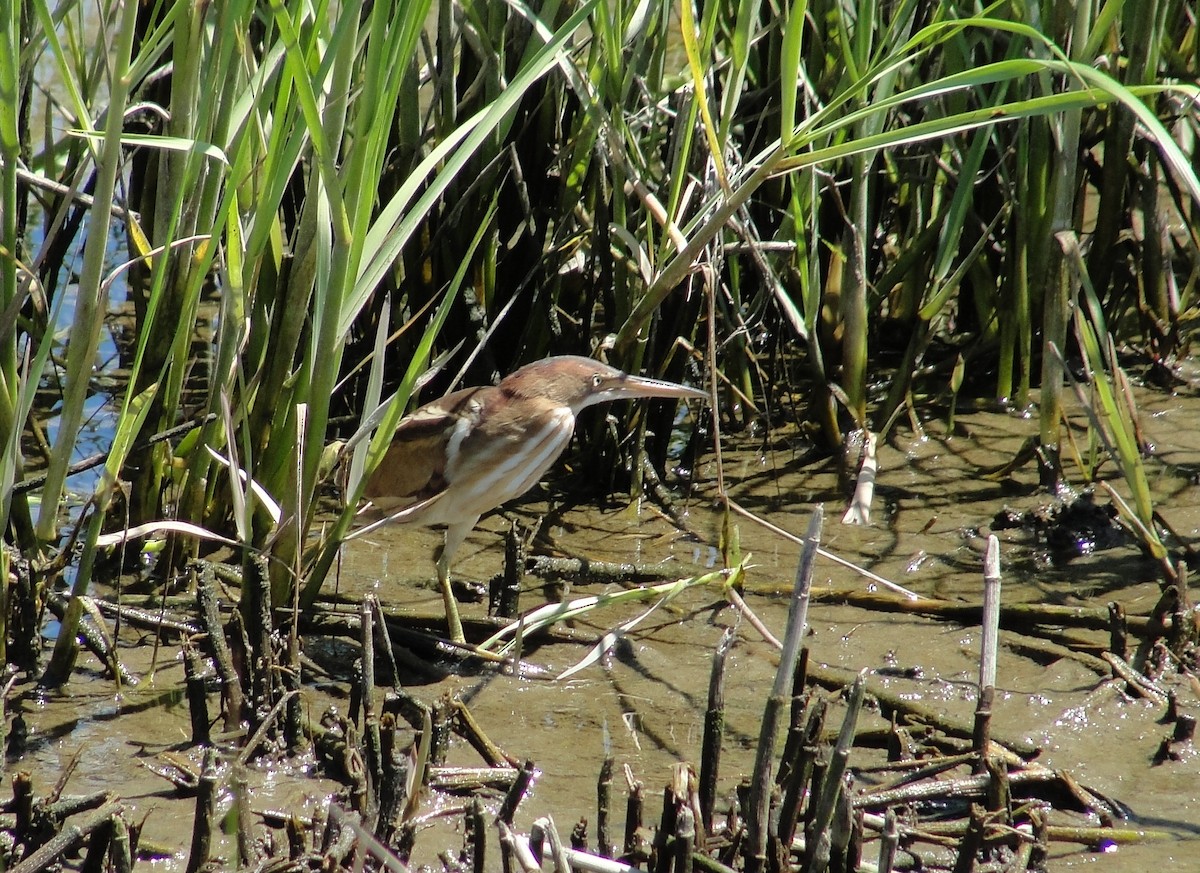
point(101, 407)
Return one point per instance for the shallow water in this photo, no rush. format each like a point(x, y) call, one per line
point(645, 702)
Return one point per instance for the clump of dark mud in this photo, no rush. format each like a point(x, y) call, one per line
point(1070, 527)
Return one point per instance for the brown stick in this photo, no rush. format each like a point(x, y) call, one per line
point(473, 733)
point(247, 852)
point(68, 840)
point(385, 638)
point(231, 683)
point(972, 842)
point(583, 570)
point(780, 696)
point(1011, 615)
point(517, 793)
point(1118, 631)
point(95, 638)
point(373, 751)
point(505, 598)
point(634, 808)
point(196, 677)
point(98, 846)
point(889, 702)
point(714, 731)
point(604, 807)
point(889, 843)
point(1135, 681)
point(476, 836)
point(120, 853)
point(206, 796)
point(392, 795)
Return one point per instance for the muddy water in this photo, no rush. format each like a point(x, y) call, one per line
point(644, 703)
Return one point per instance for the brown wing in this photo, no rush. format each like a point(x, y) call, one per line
point(503, 458)
point(413, 468)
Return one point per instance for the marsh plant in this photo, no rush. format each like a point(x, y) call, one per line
point(324, 198)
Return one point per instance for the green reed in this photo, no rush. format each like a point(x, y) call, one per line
point(1108, 402)
point(12, 509)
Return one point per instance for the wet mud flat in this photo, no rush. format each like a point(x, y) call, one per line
point(1097, 755)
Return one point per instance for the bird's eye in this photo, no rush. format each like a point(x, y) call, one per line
point(597, 380)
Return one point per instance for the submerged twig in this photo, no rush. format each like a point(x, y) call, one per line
point(1135, 681)
point(1012, 614)
point(893, 701)
point(824, 553)
point(751, 617)
point(586, 570)
point(150, 620)
point(479, 740)
point(1045, 652)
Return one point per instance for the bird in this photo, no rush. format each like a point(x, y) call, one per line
point(459, 457)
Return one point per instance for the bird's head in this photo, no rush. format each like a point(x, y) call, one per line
point(580, 382)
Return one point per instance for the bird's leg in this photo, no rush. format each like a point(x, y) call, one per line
point(455, 534)
point(452, 619)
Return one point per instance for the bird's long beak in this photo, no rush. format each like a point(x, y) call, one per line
point(635, 387)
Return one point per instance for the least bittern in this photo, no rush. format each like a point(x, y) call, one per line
point(456, 458)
